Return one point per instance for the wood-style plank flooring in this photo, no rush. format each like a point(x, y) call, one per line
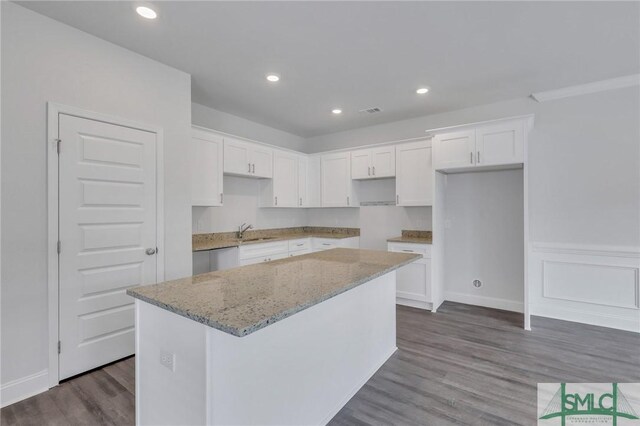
point(463, 365)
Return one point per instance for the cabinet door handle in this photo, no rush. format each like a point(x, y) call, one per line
point(276, 200)
point(369, 171)
point(478, 158)
point(254, 167)
point(347, 200)
point(221, 197)
point(397, 199)
point(300, 200)
point(326, 244)
point(249, 167)
point(471, 157)
point(408, 251)
point(374, 170)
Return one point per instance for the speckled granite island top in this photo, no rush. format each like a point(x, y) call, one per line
point(242, 300)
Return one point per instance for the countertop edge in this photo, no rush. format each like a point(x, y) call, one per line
point(231, 244)
point(241, 332)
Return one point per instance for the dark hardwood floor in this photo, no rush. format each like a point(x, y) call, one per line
point(463, 365)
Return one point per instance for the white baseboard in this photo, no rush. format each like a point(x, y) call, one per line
point(487, 302)
point(23, 388)
point(592, 318)
point(413, 303)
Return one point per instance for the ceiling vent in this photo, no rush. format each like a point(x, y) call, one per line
point(370, 110)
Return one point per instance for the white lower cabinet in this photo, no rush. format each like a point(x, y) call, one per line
point(413, 281)
point(264, 252)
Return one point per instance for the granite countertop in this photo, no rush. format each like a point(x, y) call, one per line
point(202, 242)
point(242, 300)
point(414, 237)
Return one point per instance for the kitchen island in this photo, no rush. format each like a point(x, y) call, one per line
point(281, 342)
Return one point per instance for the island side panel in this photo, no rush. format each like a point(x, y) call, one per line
point(305, 368)
point(164, 395)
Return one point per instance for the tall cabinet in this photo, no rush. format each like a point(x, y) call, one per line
point(206, 168)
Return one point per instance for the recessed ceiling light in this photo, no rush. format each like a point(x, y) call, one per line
point(336, 111)
point(422, 90)
point(273, 77)
point(146, 12)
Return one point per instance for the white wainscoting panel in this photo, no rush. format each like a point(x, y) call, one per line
point(597, 285)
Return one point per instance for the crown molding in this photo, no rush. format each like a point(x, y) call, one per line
point(583, 89)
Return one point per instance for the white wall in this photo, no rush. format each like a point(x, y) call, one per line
point(584, 155)
point(484, 238)
point(44, 60)
point(228, 123)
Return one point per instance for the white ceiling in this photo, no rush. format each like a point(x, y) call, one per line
point(357, 55)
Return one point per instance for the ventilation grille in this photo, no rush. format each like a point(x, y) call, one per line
point(370, 110)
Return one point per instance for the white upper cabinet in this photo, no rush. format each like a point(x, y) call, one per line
point(373, 163)
point(414, 174)
point(383, 161)
point(337, 186)
point(361, 164)
point(290, 185)
point(454, 150)
point(247, 159)
point(314, 183)
point(206, 168)
point(303, 181)
point(285, 179)
point(499, 143)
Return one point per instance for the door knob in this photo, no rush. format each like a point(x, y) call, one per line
point(150, 251)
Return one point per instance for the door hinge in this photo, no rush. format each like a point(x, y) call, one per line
point(59, 247)
point(59, 346)
point(58, 143)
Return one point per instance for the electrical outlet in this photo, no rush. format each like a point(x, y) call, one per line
point(477, 283)
point(168, 360)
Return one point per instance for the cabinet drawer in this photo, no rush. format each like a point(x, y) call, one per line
point(262, 259)
point(325, 243)
point(263, 250)
point(423, 249)
point(301, 244)
point(299, 252)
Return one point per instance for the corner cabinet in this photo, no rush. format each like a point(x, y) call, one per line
point(414, 174)
point(374, 163)
point(247, 159)
point(284, 190)
point(492, 144)
point(206, 168)
point(338, 189)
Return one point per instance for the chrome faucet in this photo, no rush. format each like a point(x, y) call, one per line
point(242, 229)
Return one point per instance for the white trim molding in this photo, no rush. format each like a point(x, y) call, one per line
point(584, 89)
point(592, 284)
point(53, 112)
point(24, 387)
point(487, 302)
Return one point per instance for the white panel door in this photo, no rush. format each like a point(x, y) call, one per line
point(303, 182)
point(206, 168)
point(261, 161)
point(336, 180)
point(237, 157)
point(383, 162)
point(414, 174)
point(285, 179)
point(454, 150)
point(498, 144)
point(107, 229)
point(361, 164)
